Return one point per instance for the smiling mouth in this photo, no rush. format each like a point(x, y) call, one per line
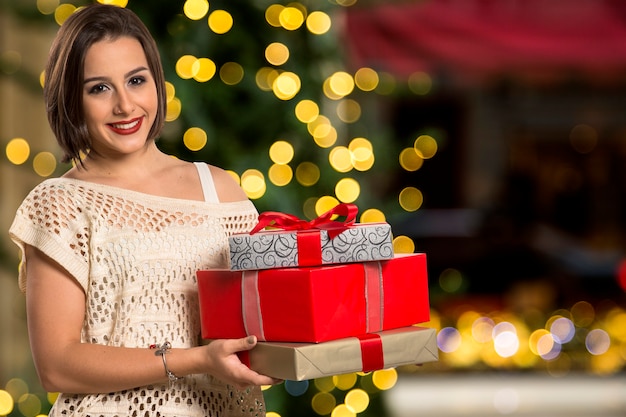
point(126, 127)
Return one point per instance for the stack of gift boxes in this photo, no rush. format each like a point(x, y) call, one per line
point(323, 297)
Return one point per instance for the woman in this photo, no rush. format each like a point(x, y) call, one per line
point(110, 249)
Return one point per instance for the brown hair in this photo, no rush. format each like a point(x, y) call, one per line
point(64, 73)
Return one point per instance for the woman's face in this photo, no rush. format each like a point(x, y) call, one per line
point(119, 97)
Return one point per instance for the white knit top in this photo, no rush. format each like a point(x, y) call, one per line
point(136, 256)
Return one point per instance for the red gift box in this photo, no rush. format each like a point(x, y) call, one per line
point(314, 304)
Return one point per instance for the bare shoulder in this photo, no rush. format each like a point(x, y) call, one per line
point(228, 190)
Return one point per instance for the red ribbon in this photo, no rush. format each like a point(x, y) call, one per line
point(371, 352)
point(286, 221)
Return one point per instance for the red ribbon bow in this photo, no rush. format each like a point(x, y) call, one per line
point(286, 221)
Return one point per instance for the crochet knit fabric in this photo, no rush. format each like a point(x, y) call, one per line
point(136, 256)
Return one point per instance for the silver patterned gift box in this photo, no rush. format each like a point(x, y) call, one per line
point(359, 242)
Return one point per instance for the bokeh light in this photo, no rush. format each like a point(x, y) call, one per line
point(195, 9)
point(47, 6)
point(357, 400)
point(307, 111)
point(231, 73)
point(62, 12)
point(195, 138)
point(220, 21)
point(277, 53)
point(281, 152)
point(318, 23)
point(347, 190)
point(253, 183)
point(372, 215)
point(410, 199)
point(18, 151)
point(291, 17)
point(307, 174)
point(286, 85)
point(366, 79)
point(6, 403)
point(44, 164)
point(403, 244)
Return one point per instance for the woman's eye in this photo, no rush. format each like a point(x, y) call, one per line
point(98, 88)
point(137, 80)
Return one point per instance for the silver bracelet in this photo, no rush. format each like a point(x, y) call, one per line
point(161, 350)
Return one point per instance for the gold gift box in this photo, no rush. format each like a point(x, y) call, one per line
point(302, 361)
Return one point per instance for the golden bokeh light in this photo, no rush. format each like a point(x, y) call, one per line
point(324, 384)
point(280, 175)
point(231, 73)
point(170, 91)
point(325, 203)
point(345, 382)
point(272, 14)
point(425, 146)
point(357, 400)
point(220, 21)
point(323, 403)
point(29, 405)
point(18, 151)
point(403, 244)
point(410, 159)
point(118, 3)
point(307, 174)
point(366, 79)
point(385, 379)
point(328, 91)
point(325, 135)
point(307, 111)
point(387, 84)
point(347, 190)
point(265, 78)
point(361, 153)
point(340, 159)
point(318, 23)
point(195, 9)
point(349, 111)
point(47, 6)
point(277, 53)
point(286, 85)
point(420, 83)
point(291, 18)
point(342, 410)
point(341, 83)
point(174, 107)
point(195, 138)
point(44, 164)
point(372, 215)
point(234, 175)
point(187, 67)
point(204, 69)
point(281, 152)
point(6, 403)
point(62, 12)
point(410, 199)
point(253, 183)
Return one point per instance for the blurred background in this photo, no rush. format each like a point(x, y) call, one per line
point(490, 134)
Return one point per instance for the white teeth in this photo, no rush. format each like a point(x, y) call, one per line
point(125, 125)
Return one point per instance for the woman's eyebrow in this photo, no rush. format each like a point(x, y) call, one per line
point(103, 78)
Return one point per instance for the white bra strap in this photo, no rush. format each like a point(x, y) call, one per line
point(208, 186)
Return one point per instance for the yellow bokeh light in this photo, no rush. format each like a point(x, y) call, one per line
point(280, 175)
point(403, 244)
point(366, 79)
point(357, 400)
point(420, 83)
point(204, 70)
point(265, 78)
point(386, 83)
point(340, 159)
point(324, 384)
point(62, 12)
point(29, 404)
point(410, 159)
point(361, 149)
point(318, 23)
point(328, 91)
point(411, 199)
point(234, 175)
point(47, 6)
point(325, 136)
point(385, 379)
point(345, 382)
point(323, 403)
point(291, 18)
point(174, 107)
point(186, 66)
point(44, 164)
point(272, 14)
point(286, 85)
point(119, 3)
point(277, 53)
point(195, 9)
point(346, 3)
point(349, 111)
point(320, 122)
point(341, 83)
point(6, 403)
point(253, 183)
point(170, 91)
point(307, 111)
point(18, 151)
point(220, 21)
point(195, 138)
point(307, 174)
point(325, 203)
point(42, 78)
point(231, 73)
point(342, 410)
point(347, 190)
point(372, 215)
point(425, 146)
point(281, 152)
